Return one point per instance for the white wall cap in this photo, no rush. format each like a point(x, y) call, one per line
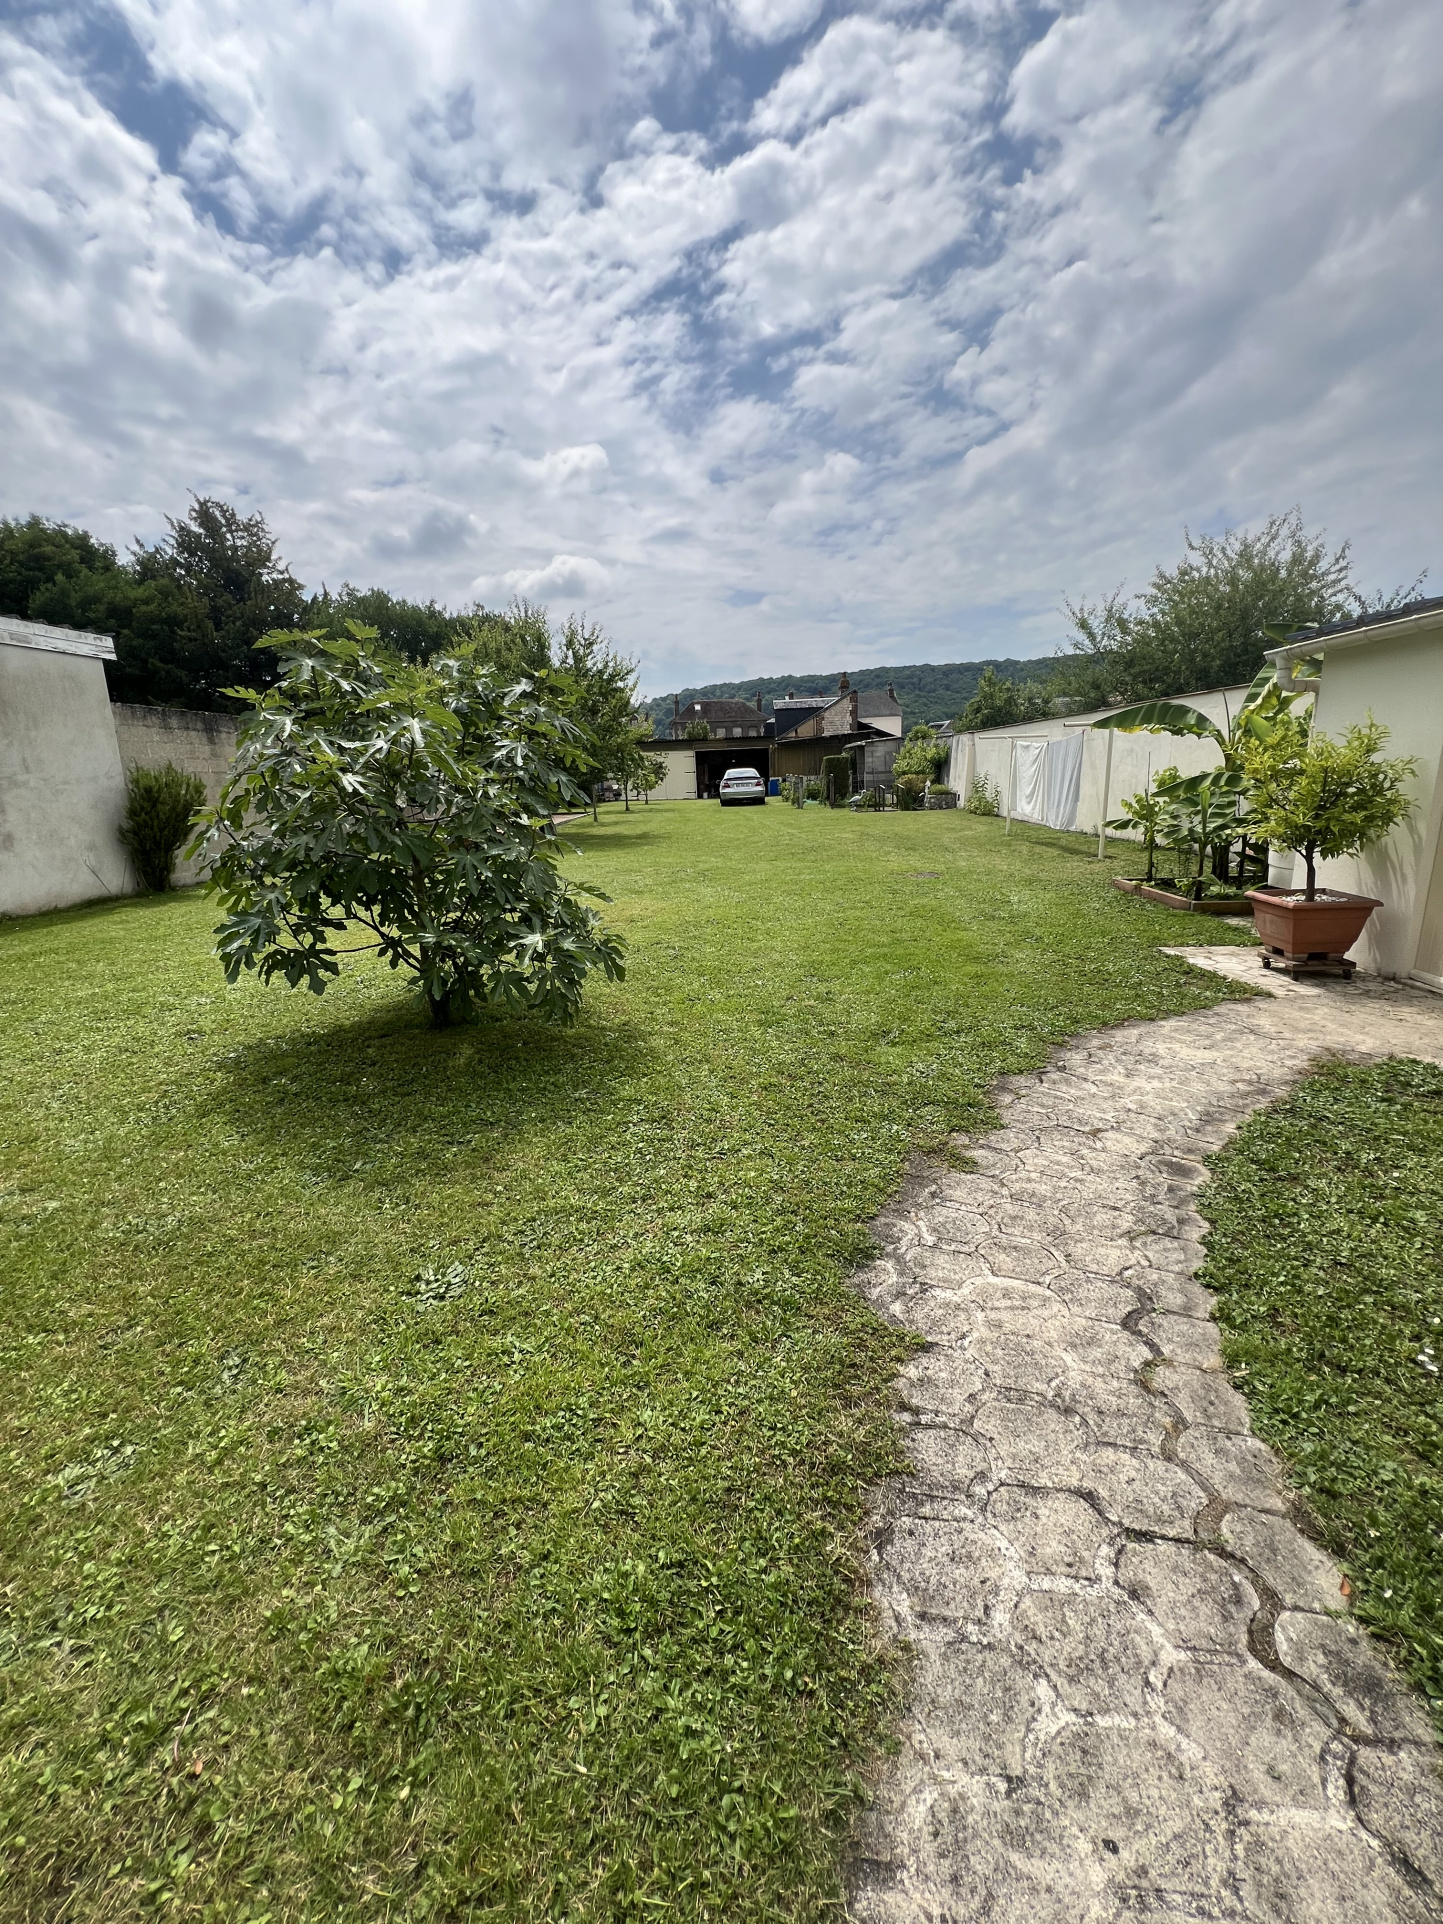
point(55, 641)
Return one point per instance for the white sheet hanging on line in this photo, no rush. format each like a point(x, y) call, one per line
point(1064, 780)
point(1029, 781)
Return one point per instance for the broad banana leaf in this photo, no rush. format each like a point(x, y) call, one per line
point(1212, 781)
point(1164, 718)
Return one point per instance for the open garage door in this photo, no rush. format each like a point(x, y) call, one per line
point(713, 763)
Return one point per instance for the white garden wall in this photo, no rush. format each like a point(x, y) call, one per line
point(989, 753)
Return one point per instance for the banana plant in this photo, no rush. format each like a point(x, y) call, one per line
point(1206, 812)
point(1147, 813)
point(1263, 707)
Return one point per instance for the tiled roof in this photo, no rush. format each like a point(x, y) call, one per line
point(877, 701)
point(1406, 612)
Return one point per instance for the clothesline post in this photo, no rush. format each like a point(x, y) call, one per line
point(1102, 809)
point(1011, 774)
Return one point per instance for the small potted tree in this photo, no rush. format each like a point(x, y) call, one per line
point(1321, 798)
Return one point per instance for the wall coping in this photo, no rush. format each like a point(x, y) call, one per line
point(55, 641)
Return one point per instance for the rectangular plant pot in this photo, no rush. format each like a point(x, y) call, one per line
point(1219, 905)
point(1300, 933)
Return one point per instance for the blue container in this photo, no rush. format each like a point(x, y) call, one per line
point(774, 785)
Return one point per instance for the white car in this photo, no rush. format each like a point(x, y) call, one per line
point(742, 785)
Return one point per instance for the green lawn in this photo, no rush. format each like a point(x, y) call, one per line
point(432, 1462)
point(1327, 1255)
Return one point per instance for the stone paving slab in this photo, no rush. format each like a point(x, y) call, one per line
point(1137, 1692)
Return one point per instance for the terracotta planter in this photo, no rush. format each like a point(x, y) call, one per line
point(1302, 936)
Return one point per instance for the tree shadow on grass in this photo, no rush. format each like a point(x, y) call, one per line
point(597, 834)
point(372, 1096)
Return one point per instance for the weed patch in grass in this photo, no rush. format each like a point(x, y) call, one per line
point(1326, 1252)
point(430, 1464)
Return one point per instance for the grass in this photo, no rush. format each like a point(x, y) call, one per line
point(431, 1464)
point(1326, 1251)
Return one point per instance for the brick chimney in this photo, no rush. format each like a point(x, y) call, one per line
point(843, 685)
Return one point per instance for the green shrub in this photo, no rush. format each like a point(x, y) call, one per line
point(160, 804)
point(837, 770)
point(921, 754)
point(908, 791)
point(985, 798)
point(1323, 798)
point(414, 799)
point(813, 792)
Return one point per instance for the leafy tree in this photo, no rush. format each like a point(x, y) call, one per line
point(697, 731)
point(150, 621)
point(1200, 624)
point(413, 799)
point(517, 642)
point(650, 774)
point(235, 591)
point(414, 629)
point(600, 685)
point(35, 553)
point(160, 805)
point(921, 754)
point(594, 686)
point(184, 613)
point(1000, 703)
point(1323, 798)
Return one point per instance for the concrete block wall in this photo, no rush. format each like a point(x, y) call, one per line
point(202, 744)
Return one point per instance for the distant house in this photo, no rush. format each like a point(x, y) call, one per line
point(726, 720)
point(809, 727)
point(879, 708)
point(793, 740)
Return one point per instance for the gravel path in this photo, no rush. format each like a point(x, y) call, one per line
point(1137, 1693)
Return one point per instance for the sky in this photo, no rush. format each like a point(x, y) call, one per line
point(774, 334)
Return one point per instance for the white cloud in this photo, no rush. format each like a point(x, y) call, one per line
point(935, 329)
point(566, 577)
point(771, 20)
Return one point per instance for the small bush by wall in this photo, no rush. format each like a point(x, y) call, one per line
point(160, 804)
point(838, 770)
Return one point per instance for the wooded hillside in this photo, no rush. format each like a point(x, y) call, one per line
point(928, 691)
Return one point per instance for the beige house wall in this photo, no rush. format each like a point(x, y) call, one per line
point(62, 788)
point(1395, 674)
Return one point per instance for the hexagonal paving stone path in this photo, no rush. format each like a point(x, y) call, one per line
point(1137, 1692)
